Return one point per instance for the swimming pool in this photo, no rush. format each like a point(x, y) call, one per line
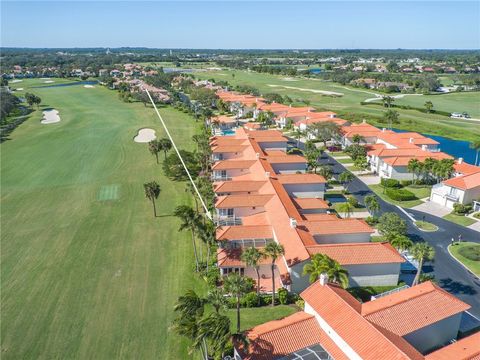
point(335, 198)
point(228, 132)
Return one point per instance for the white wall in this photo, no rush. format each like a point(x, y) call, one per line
point(342, 238)
point(279, 145)
point(373, 274)
point(434, 335)
point(289, 168)
point(306, 190)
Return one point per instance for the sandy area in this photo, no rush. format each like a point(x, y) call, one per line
point(309, 90)
point(380, 97)
point(88, 86)
point(48, 81)
point(15, 81)
point(19, 89)
point(50, 117)
point(145, 135)
point(289, 79)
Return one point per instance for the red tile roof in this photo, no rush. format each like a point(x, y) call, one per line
point(359, 253)
point(465, 168)
point(278, 338)
point(224, 119)
point(310, 203)
point(236, 201)
point(337, 226)
point(300, 179)
point(229, 148)
point(464, 182)
point(240, 232)
point(408, 310)
point(342, 313)
point(320, 217)
point(233, 258)
point(239, 186)
point(467, 348)
point(232, 164)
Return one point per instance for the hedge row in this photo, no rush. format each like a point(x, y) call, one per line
point(400, 194)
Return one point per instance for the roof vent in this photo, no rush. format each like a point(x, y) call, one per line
point(364, 121)
point(383, 129)
point(257, 155)
point(460, 160)
point(293, 223)
point(323, 279)
point(410, 140)
point(267, 174)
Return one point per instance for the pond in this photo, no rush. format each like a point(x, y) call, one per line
point(456, 148)
point(75, 83)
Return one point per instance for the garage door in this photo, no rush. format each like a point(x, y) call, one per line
point(438, 199)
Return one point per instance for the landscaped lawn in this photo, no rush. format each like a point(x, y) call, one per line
point(467, 253)
point(378, 189)
point(250, 317)
point(459, 219)
point(420, 191)
point(337, 154)
point(87, 272)
point(426, 226)
point(345, 161)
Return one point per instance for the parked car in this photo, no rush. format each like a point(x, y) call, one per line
point(410, 266)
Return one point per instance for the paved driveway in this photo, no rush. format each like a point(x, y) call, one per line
point(475, 227)
point(432, 208)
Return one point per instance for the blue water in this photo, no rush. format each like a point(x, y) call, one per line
point(228, 132)
point(315, 71)
point(456, 148)
point(89, 82)
point(335, 198)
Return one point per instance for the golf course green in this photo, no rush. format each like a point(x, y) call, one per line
point(87, 271)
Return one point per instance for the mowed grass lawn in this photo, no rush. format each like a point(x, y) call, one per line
point(87, 272)
point(468, 253)
point(413, 120)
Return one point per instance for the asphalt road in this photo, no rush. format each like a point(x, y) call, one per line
point(449, 274)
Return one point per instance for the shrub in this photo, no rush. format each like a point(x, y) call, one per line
point(390, 183)
point(353, 201)
point(371, 220)
point(300, 303)
point(461, 209)
point(250, 300)
point(406, 182)
point(400, 194)
point(283, 296)
point(471, 252)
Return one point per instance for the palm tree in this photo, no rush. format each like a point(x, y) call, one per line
point(273, 250)
point(251, 257)
point(371, 202)
point(206, 233)
point(414, 167)
point(476, 146)
point(190, 221)
point(237, 286)
point(421, 252)
point(214, 329)
point(357, 138)
point(401, 242)
point(190, 189)
point(152, 191)
point(346, 208)
point(191, 309)
point(216, 298)
point(165, 145)
point(297, 134)
point(336, 272)
point(154, 148)
point(345, 178)
point(388, 101)
point(315, 267)
point(190, 304)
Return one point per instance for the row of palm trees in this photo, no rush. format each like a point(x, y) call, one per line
point(158, 145)
point(440, 169)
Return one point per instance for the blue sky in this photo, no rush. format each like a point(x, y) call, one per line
point(242, 24)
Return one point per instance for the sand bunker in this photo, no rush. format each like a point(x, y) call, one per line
point(145, 135)
point(48, 81)
point(19, 89)
point(88, 86)
point(15, 81)
point(309, 90)
point(50, 117)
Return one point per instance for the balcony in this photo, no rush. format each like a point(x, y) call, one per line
point(227, 220)
point(216, 178)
